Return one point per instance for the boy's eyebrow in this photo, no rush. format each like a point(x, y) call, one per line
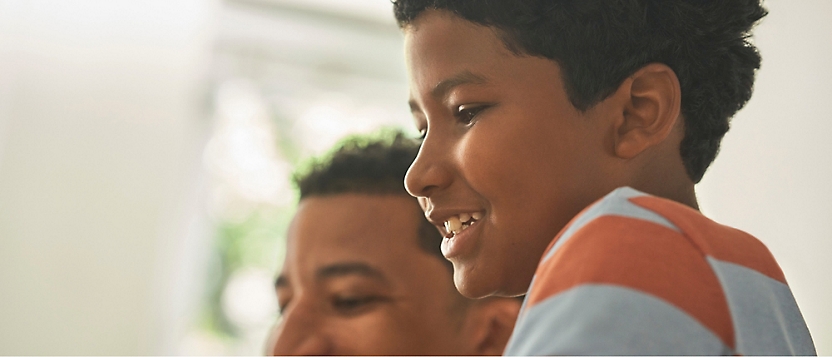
point(350, 268)
point(413, 106)
point(441, 90)
point(466, 77)
point(281, 282)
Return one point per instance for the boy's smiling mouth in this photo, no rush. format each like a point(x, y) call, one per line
point(460, 235)
point(458, 223)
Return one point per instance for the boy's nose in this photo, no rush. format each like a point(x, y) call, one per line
point(299, 334)
point(428, 172)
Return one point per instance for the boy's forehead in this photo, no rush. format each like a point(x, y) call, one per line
point(443, 24)
point(441, 19)
point(440, 46)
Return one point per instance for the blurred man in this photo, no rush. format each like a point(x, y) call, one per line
point(364, 274)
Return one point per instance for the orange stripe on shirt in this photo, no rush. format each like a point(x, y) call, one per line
point(643, 256)
point(718, 241)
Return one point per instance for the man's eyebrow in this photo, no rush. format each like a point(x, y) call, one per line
point(466, 77)
point(350, 268)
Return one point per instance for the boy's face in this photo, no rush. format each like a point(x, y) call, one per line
point(356, 282)
point(502, 141)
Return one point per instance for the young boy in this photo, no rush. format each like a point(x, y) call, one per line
point(562, 142)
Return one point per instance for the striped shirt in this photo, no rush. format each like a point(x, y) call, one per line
point(637, 274)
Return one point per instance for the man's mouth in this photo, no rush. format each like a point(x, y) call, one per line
point(456, 224)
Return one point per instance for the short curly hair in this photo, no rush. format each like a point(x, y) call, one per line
point(599, 43)
point(373, 165)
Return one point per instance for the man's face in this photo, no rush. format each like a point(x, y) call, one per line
point(504, 144)
point(356, 282)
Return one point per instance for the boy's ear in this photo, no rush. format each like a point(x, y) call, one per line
point(491, 321)
point(652, 99)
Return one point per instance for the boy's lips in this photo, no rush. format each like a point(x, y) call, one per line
point(453, 220)
point(458, 226)
point(456, 244)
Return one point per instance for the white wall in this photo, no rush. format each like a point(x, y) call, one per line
point(102, 130)
point(772, 177)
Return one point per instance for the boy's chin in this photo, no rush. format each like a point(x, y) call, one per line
point(474, 283)
point(479, 283)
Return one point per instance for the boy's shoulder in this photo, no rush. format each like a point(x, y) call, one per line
point(634, 267)
point(626, 212)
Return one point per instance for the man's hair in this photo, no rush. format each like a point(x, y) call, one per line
point(369, 165)
point(599, 43)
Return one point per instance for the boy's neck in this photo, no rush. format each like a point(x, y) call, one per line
point(683, 192)
point(662, 173)
point(685, 195)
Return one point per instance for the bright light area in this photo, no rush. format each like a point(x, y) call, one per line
point(375, 10)
point(242, 153)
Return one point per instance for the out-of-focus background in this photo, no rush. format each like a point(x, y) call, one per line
point(146, 149)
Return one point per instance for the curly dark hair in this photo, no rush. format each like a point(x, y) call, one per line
point(374, 165)
point(599, 43)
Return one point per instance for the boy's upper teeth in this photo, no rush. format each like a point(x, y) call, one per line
point(455, 224)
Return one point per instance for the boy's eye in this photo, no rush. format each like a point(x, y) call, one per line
point(423, 133)
point(282, 304)
point(467, 112)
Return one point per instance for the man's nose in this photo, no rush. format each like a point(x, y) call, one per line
point(429, 171)
point(300, 333)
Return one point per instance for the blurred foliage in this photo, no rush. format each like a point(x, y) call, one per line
point(255, 241)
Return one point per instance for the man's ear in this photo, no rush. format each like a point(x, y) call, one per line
point(491, 321)
point(652, 99)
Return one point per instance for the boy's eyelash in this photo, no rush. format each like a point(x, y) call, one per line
point(282, 307)
point(467, 113)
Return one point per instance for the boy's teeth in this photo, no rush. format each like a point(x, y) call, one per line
point(464, 217)
point(453, 225)
point(459, 223)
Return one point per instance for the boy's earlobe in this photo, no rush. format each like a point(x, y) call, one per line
point(652, 104)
